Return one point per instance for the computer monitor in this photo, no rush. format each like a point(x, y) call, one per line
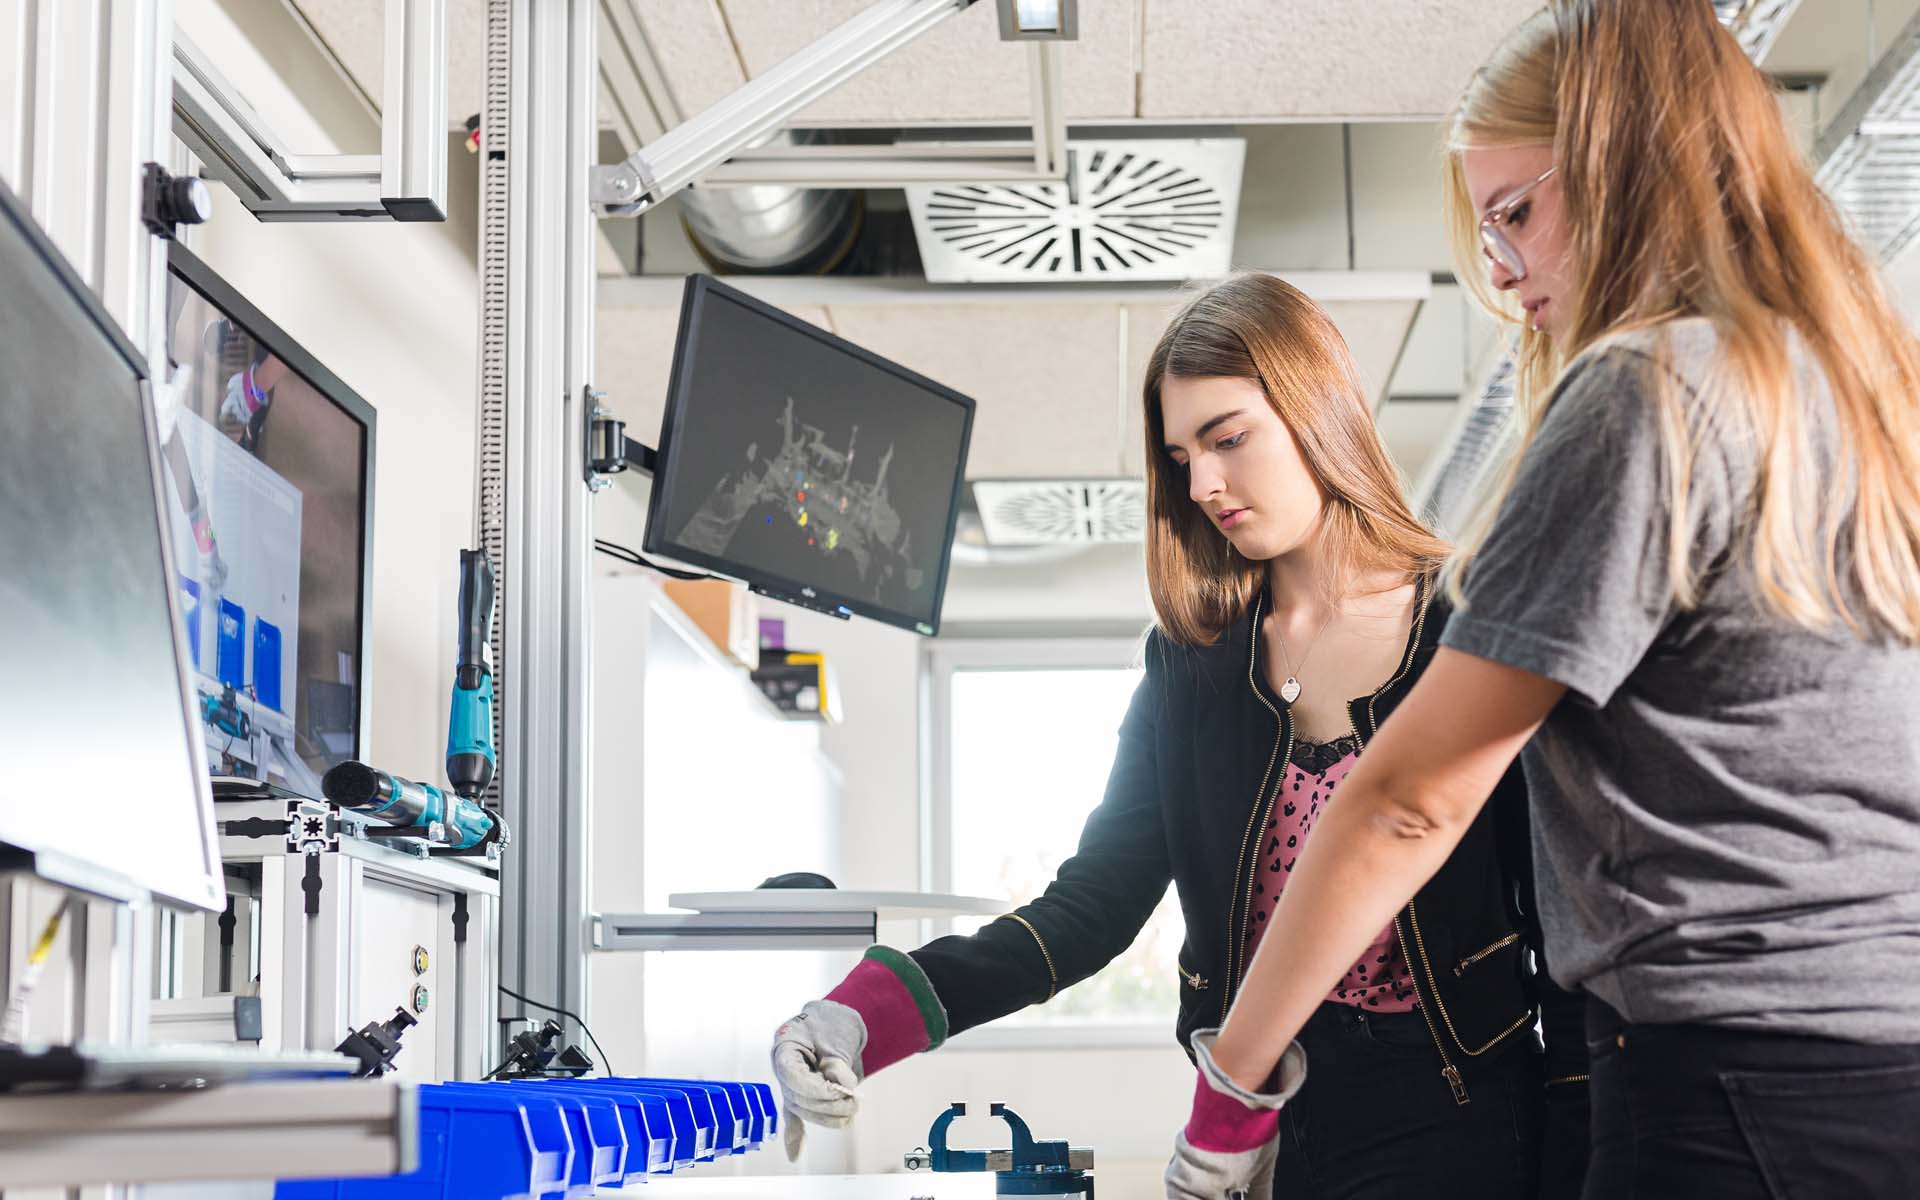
point(812, 469)
point(102, 784)
point(270, 469)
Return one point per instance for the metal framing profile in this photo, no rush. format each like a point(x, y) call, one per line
point(406, 181)
point(537, 306)
point(714, 147)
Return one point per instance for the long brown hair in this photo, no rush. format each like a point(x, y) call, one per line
point(1262, 329)
point(1685, 197)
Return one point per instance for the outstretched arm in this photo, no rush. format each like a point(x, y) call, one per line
point(1404, 808)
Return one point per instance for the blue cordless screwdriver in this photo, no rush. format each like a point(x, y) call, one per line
point(463, 822)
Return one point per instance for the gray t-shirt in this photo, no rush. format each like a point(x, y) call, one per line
point(1726, 806)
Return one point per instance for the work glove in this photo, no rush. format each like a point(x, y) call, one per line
point(1227, 1150)
point(243, 399)
point(816, 1062)
point(883, 1011)
point(209, 548)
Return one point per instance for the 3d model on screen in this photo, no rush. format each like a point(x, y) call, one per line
point(811, 485)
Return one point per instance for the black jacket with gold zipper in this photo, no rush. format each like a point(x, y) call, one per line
point(1191, 788)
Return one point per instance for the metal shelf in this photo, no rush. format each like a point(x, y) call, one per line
point(234, 1131)
point(778, 919)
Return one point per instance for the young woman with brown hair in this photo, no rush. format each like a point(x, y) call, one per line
point(1297, 602)
point(1702, 590)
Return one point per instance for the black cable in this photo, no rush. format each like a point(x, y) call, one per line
point(605, 1066)
point(616, 550)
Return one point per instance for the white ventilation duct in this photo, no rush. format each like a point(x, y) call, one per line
point(1141, 209)
point(1080, 512)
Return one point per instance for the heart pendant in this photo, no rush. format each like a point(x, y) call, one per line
point(1290, 690)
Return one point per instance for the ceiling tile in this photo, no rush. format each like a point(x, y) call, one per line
point(959, 71)
point(1042, 376)
point(355, 30)
point(633, 355)
point(1254, 59)
point(689, 38)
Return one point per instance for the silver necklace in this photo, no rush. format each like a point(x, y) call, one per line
point(1290, 690)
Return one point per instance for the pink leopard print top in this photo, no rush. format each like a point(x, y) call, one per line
point(1379, 982)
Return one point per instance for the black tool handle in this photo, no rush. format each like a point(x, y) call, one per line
point(476, 618)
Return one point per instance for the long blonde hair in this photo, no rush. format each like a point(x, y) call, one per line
point(1685, 197)
point(1262, 329)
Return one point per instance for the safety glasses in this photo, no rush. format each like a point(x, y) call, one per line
point(1495, 242)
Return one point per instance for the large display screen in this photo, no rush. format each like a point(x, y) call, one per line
point(100, 785)
point(269, 467)
point(805, 465)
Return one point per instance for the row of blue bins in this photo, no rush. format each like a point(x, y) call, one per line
point(562, 1138)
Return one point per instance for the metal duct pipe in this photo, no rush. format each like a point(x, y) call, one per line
point(769, 228)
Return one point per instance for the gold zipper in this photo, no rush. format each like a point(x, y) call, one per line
point(1461, 967)
point(1413, 918)
point(1262, 804)
point(1195, 982)
point(1053, 976)
point(1567, 1079)
point(1448, 1071)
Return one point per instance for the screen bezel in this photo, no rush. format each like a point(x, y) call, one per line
point(58, 866)
point(202, 279)
point(656, 541)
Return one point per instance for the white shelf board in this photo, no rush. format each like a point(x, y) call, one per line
point(953, 1186)
point(233, 1131)
point(886, 906)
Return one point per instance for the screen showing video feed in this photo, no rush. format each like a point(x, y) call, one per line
point(795, 460)
point(267, 476)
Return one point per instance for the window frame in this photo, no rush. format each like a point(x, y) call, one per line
point(940, 662)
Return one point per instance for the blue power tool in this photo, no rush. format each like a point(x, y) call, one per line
point(395, 801)
point(470, 757)
point(1052, 1170)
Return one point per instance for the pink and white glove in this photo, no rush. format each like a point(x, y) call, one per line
point(1227, 1150)
point(883, 1011)
point(243, 398)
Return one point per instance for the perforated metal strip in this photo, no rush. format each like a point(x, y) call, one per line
point(491, 477)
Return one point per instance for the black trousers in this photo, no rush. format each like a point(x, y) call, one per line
point(1694, 1112)
point(1376, 1121)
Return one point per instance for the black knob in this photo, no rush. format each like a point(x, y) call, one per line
point(169, 201)
point(186, 201)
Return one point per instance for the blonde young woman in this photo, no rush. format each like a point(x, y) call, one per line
point(1297, 603)
point(1698, 611)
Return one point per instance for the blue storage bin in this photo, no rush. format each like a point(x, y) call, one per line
point(599, 1144)
point(473, 1143)
point(266, 664)
point(231, 645)
point(731, 1107)
point(696, 1143)
point(560, 1139)
point(648, 1126)
point(190, 617)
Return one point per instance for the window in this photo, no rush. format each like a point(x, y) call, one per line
point(1024, 738)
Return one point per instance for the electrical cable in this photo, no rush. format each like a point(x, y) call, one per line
point(616, 550)
point(605, 1066)
point(13, 1027)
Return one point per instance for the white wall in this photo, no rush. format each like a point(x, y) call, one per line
point(698, 786)
point(392, 309)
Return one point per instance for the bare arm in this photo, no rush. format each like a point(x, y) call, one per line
point(1402, 810)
